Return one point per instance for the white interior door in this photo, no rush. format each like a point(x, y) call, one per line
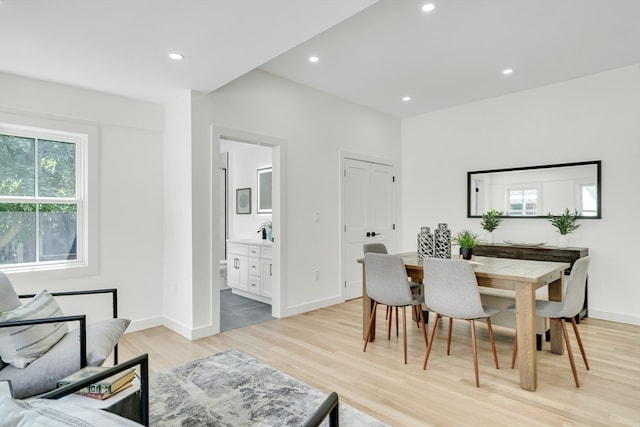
point(368, 216)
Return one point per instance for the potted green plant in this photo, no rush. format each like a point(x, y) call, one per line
point(565, 223)
point(490, 221)
point(467, 240)
point(266, 229)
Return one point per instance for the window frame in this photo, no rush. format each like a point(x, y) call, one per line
point(86, 138)
point(522, 190)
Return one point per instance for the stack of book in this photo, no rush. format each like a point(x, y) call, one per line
point(102, 389)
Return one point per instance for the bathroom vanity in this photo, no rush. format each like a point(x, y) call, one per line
point(250, 268)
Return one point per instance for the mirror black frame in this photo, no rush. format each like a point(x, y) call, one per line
point(598, 164)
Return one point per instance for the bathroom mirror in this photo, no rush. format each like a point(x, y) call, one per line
point(264, 190)
point(536, 191)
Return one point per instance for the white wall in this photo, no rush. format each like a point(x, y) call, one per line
point(243, 166)
point(176, 268)
point(129, 191)
point(316, 126)
point(591, 118)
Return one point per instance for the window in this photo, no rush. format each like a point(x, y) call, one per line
point(522, 202)
point(588, 199)
point(42, 197)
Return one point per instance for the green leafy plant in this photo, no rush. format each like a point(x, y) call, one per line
point(491, 220)
point(466, 239)
point(566, 222)
point(267, 225)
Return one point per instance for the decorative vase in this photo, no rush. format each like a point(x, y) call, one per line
point(490, 238)
point(466, 253)
point(425, 243)
point(442, 238)
point(563, 241)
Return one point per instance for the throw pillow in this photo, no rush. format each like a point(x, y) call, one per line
point(8, 298)
point(21, 345)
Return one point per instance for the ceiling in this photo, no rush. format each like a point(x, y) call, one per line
point(370, 53)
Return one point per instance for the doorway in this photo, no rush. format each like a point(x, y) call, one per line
point(242, 163)
point(367, 213)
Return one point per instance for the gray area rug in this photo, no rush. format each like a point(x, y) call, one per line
point(234, 389)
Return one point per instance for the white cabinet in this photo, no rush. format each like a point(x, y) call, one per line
point(267, 274)
point(238, 266)
point(254, 269)
point(250, 269)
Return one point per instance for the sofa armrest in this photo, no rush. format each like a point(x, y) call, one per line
point(142, 361)
point(81, 318)
point(330, 408)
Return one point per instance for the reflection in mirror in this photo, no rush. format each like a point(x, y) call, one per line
point(264, 190)
point(536, 191)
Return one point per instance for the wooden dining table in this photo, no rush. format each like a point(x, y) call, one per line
point(522, 277)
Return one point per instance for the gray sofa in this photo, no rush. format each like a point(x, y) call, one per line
point(66, 356)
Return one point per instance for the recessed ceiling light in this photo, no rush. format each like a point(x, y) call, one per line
point(176, 56)
point(428, 7)
point(507, 71)
point(406, 98)
point(314, 59)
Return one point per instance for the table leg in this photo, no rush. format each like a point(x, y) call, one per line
point(555, 329)
point(526, 327)
point(367, 305)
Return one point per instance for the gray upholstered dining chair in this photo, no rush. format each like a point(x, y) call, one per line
point(565, 310)
point(387, 283)
point(451, 290)
point(380, 248)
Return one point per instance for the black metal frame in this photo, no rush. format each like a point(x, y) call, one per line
point(83, 330)
point(597, 163)
point(330, 407)
point(142, 361)
point(81, 318)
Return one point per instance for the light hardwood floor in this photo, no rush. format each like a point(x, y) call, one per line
point(323, 348)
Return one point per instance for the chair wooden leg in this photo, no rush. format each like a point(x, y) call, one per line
point(569, 352)
point(449, 335)
point(416, 312)
point(493, 342)
point(386, 316)
point(404, 332)
point(423, 325)
point(475, 351)
point(397, 319)
point(433, 334)
point(389, 321)
point(575, 330)
point(515, 350)
point(371, 322)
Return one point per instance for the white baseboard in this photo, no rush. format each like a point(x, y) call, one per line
point(140, 324)
point(314, 305)
point(615, 317)
point(190, 333)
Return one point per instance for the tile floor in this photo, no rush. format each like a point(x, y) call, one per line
point(237, 311)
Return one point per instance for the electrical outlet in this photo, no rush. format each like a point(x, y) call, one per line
point(316, 275)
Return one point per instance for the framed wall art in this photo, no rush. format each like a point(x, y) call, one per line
point(243, 201)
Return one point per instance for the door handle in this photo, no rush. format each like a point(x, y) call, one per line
point(373, 234)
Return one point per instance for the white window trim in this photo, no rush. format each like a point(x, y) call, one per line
point(88, 168)
point(537, 188)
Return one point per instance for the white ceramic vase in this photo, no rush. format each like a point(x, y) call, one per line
point(563, 241)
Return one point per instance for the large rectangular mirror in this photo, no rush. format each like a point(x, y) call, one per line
point(264, 190)
point(536, 191)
